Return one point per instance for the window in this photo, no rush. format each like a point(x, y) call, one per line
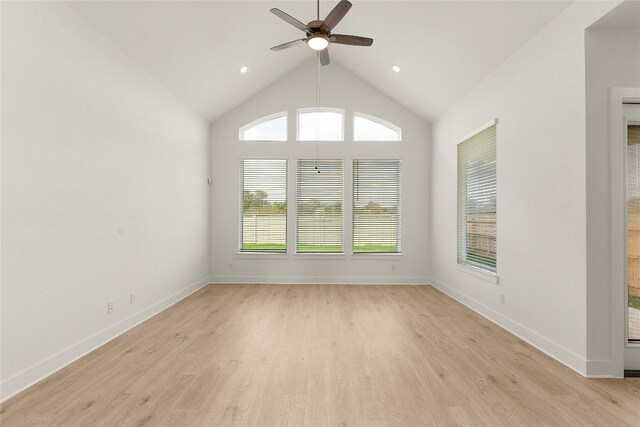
point(477, 200)
point(369, 128)
point(319, 203)
point(269, 128)
point(326, 123)
point(376, 206)
point(263, 213)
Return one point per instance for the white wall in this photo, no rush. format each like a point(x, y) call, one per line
point(538, 95)
point(612, 60)
point(341, 89)
point(103, 192)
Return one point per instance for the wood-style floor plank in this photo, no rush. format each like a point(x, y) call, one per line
point(321, 355)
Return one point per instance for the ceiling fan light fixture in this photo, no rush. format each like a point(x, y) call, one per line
point(318, 42)
point(319, 33)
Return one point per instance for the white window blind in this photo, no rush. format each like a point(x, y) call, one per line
point(263, 208)
point(477, 200)
point(376, 206)
point(319, 206)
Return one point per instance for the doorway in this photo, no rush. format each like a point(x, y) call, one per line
point(631, 134)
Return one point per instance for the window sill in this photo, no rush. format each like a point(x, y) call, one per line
point(320, 255)
point(384, 141)
point(376, 256)
point(261, 255)
point(479, 273)
point(320, 141)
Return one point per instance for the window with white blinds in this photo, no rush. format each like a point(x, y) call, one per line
point(263, 208)
point(319, 206)
point(376, 206)
point(477, 200)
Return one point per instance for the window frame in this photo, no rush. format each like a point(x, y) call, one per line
point(265, 119)
point(377, 120)
point(399, 231)
point(265, 253)
point(335, 255)
point(471, 268)
point(304, 110)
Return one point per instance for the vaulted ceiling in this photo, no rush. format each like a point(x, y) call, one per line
point(195, 49)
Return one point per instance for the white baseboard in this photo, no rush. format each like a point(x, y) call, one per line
point(603, 369)
point(552, 349)
point(321, 280)
point(36, 373)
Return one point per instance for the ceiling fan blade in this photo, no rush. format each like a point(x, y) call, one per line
point(290, 19)
point(324, 56)
point(337, 14)
point(351, 40)
point(288, 45)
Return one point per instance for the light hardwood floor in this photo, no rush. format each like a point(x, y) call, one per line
point(321, 355)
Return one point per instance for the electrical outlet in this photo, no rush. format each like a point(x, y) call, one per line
point(230, 266)
point(109, 307)
point(501, 298)
point(393, 267)
point(132, 298)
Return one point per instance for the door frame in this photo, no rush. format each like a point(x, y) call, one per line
point(618, 240)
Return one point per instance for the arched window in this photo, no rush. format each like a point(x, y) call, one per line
point(268, 128)
point(322, 124)
point(369, 128)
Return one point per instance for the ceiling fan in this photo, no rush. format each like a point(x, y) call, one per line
point(318, 33)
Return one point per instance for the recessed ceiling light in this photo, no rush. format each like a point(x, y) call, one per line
point(396, 68)
point(244, 69)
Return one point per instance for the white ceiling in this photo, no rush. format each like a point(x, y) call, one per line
point(196, 48)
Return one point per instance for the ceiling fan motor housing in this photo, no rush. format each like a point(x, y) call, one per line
point(318, 27)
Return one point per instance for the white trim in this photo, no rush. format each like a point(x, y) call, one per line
point(477, 131)
point(377, 256)
point(254, 157)
point(262, 255)
point(240, 194)
point(599, 369)
point(399, 187)
point(321, 280)
point(617, 255)
point(380, 157)
point(41, 370)
point(320, 255)
point(494, 122)
point(379, 121)
point(264, 119)
point(294, 250)
point(478, 272)
point(550, 348)
point(304, 110)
